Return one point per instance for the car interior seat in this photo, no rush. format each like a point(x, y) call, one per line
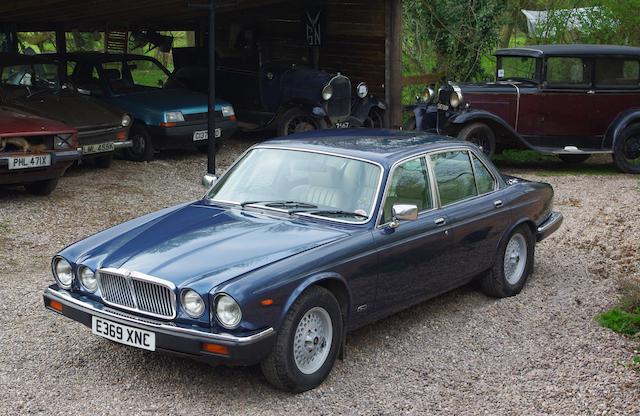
point(321, 188)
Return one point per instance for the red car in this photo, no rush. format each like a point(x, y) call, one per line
point(568, 100)
point(34, 151)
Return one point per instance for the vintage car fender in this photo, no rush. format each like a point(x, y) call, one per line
point(617, 126)
point(494, 121)
point(362, 107)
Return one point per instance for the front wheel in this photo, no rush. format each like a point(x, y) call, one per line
point(142, 149)
point(481, 135)
point(294, 120)
point(377, 119)
point(307, 344)
point(626, 150)
point(513, 264)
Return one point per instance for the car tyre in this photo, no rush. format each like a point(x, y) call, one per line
point(574, 159)
point(295, 120)
point(104, 162)
point(307, 344)
point(42, 188)
point(142, 149)
point(626, 150)
point(481, 135)
point(510, 271)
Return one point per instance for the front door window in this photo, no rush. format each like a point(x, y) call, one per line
point(409, 185)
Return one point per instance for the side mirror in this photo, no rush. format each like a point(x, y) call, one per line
point(403, 212)
point(209, 180)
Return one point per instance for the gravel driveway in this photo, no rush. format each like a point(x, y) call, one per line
point(463, 353)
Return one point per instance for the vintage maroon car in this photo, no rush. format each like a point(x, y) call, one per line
point(34, 151)
point(568, 100)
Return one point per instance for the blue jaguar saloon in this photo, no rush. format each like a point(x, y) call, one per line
point(301, 241)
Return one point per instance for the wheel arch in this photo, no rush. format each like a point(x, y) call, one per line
point(618, 125)
point(504, 133)
point(528, 222)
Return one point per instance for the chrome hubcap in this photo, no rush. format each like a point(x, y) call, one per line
point(515, 259)
point(312, 340)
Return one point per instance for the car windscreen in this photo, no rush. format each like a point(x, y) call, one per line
point(307, 183)
point(31, 76)
point(133, 75)
point(517, 68)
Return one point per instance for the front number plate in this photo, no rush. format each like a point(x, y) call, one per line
point(126, 335)
point(204, 135)
point(98, 148)
point(342, 125)
point(26, 162)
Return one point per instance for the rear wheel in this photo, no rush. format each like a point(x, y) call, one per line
point(574, 159)
point(142, 149)
point(294, 120)
point(307, 344)
point(626, 150)
point(481, 135)
point(513, 265)
point(42, 188)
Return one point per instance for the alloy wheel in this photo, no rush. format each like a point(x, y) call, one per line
point(515, 259)
point(312, 340)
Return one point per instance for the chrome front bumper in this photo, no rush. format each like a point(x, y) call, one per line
point(123, 144)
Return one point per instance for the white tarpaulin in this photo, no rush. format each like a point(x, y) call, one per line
point(542, 22)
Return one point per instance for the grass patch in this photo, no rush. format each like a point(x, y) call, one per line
point(523, 156)
point(550, 165)
point(4, 227)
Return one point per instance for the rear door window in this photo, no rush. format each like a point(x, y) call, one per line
point(617, 73)
point(568, 72)
point(454, 176)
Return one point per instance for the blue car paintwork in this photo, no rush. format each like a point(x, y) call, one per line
point(375, 271)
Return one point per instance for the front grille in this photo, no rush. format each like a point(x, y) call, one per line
point(202, 117)
point(339, 106)
point(134, 293)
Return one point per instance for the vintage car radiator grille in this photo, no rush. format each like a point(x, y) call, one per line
point(136, 294)
point(339, 105)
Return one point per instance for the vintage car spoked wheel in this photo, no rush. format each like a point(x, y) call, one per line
point(481, 135)
point(626, 150)
point(312, 340)
point(574, 159)
point(295, 120)
point(142, 149)
point(307, 344)
point(375, 120)
point(513, 264)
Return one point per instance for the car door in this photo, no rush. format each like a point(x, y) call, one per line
point(413, 255)
point(475, 207)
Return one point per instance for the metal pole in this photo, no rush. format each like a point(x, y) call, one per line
point(211, 159)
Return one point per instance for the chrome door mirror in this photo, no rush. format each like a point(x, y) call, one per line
point(208, 180)
point(403, 212)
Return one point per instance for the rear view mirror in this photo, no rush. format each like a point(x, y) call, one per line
point(403, 212)
point(209, 180)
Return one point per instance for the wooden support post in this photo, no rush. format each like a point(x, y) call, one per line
point(61, 40)
point(393, 61)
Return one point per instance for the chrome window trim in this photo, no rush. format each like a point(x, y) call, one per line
point(129, 276)
point(322, 152)
point(495, 181)
point(435, 201)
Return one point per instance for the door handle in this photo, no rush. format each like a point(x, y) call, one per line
point(591, 92)
point(440, 222)
point(498, 203)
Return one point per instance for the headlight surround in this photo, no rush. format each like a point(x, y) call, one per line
point(228, 311)
point(456, 98)
point(327, 92)
point(173, 117)
point(88, 279)
point(63, 141)
point(192, 303)
point(126, 120)
point(63, 272)
point(427, 95)
point(362, 90)
point(227, 111)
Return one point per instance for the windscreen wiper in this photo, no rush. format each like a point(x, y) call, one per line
point(338, 213)
point(280, 204)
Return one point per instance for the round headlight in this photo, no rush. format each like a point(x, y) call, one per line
point(62, 272)
point(228, 311)
point(192, 303)
point(427, 95)
point(327, 93)
point(126, 120)
point(362, 89)
point(456, 97)
point(88, 279)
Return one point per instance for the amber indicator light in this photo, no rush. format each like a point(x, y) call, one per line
point(55, 305)
point(266, 302)
point(121, 135)
point(215, 349)
point(168, 124)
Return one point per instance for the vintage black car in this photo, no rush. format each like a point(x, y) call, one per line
point(569, 100)
point(36, 85)
point(290, 97)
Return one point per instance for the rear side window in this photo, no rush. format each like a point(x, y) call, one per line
point(409, 185)
point(568, 72)
point(454, 176)
point(485, 181)
point(617, 73)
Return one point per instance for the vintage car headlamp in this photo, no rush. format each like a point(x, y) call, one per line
point(327, 92)
point(228, 311)
point(227, 111)
point(362, 89)
point(173, 117)
point(192, 303)
point(88, 279)
point(63, 141)
point(427, 95)
point(63, 272)
point(126, 120)
point(456, 97)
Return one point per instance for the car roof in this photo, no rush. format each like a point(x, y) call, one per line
point(381, 146)
point(537, 51)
